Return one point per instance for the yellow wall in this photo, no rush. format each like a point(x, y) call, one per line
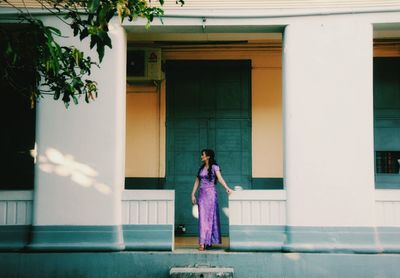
point(267, 137)
point(142, 134)
point(145, 152)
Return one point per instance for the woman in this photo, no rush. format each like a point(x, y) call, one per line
point(207, 176)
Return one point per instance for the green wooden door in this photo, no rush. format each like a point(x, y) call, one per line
point(208, 106)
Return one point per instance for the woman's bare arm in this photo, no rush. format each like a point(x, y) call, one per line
point(195, 186)
point(222, 182)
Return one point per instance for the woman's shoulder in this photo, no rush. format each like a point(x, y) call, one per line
point(215, 167)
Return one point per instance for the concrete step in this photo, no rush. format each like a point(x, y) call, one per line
point(201, 272)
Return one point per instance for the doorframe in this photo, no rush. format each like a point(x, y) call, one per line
point(242, 63)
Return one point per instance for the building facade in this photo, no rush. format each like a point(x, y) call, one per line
point(301, 103)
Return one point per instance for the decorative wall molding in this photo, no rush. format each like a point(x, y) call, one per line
point(258, 207)
point(148, 219)
point(16, 207)
point(387, 208)
point(148, 207)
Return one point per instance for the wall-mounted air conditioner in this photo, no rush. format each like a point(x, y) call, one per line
point(143, 64)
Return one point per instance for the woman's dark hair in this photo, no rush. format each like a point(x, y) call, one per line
point(211, 162)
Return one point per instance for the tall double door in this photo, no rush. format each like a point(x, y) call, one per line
point(208, 106)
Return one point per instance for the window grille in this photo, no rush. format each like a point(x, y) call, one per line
point(387, 162)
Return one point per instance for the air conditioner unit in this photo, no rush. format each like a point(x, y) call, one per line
point(143, 64)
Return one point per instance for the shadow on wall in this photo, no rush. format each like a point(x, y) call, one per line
point(65, 165)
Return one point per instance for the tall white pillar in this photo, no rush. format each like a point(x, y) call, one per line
point(79, 174)
point(328, 132)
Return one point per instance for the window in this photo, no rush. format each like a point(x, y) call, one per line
point(387, 122)
point(17, 119)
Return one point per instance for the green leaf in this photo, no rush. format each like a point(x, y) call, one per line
point(66, 98)
point(101, 34)
point(76, 56)
point(107, 41)
point(56, 95)
point(61, 69)
point(14, 59)
point(104, 38)
point(76, 30)
point(93, 5)
point(93, 41)
point(9, 49)
point(100, 51)
point(75, 99)
point(84, 34)
point(54, 30)
point(102, 15)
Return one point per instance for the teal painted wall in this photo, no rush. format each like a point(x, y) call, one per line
point(208, 106)
point(158, 264)
point(86, 238)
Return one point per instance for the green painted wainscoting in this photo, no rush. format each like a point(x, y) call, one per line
point(132, 183)
point(333, 240)
point(365, 240)
point(14, 237)
point(144, 183)
point(256, 238)
point(158, 264)
point(76, 238)
point(86, 238)
point(267, 183)
point(148, 237)
point(244, 238)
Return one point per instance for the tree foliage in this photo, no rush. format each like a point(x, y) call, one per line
point(46, 67)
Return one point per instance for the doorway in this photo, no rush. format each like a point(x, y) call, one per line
point(208, 106)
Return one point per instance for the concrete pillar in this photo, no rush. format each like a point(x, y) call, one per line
point(328, 133)
point(79, 175)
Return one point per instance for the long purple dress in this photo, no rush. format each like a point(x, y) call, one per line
point(209, 225)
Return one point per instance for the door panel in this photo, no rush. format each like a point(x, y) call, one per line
point(208, 106)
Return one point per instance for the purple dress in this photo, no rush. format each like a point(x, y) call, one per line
point(209, 225)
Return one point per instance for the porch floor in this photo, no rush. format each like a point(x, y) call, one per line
point(184, 244)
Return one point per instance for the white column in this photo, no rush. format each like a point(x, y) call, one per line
point(328, 118)
point(79, 176)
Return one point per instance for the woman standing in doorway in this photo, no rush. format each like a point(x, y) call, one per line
point(207, 176)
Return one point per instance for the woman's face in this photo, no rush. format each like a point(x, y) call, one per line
point(204, 157)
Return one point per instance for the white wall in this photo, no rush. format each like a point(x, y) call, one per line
point(328, 116)
point(80, 171)
point(328, 126)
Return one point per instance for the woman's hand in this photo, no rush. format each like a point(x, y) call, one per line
point(193, 200)
point(229, 191)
